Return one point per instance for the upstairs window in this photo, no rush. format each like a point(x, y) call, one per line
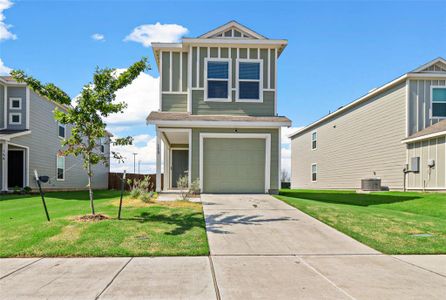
point(438, 108)
point(102, 145)
point(313, 172)
point(15, 103)
point(249, 80)
point(61, 130)
point(217, 80)
point(15, 118)
point(314, 140)
point(60, 168)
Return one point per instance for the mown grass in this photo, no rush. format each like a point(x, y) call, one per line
point(156, 229)
point(386, 221)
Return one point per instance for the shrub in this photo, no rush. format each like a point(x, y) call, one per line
point(135, 193)
point(183, 184)
point(146, 197)
point(27, 189)
point(195, 187)
point(138, 187)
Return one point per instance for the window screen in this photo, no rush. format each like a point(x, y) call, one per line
point(217, 80)
point(249, 81)
point(439, 102)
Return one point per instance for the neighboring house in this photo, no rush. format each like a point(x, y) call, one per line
point(30, 140)
point(218, 111)
point(393, 127)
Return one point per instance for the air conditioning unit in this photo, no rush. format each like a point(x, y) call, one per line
point(371, 184)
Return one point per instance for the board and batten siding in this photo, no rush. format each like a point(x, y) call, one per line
point(44, 144)
point(173, 74)
point(362, 142)
point(16, 92)
point(195, 155)
point(420, 104)
point(428, 178)
point(201, 107)
point(2, 106)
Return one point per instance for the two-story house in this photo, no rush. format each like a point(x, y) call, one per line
point(218, 111)
point(398, 126)
point(30, 139)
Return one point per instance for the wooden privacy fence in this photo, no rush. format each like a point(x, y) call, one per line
point(114, 180)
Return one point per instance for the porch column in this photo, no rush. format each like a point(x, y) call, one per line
point(158, 160)
point(4, 166)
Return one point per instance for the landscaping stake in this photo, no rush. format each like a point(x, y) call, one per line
point(41, 195)
point(122, 193)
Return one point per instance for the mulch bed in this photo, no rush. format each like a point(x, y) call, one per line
point(92, 218)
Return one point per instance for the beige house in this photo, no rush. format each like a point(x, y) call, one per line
point(218, 111)
point(399, 126)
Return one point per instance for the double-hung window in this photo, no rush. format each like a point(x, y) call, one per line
point(249, 80)
point(217, 85)
point(313, 172)
point(61, 130)
point(314, 140)
point(60, 168)
point(438, 109)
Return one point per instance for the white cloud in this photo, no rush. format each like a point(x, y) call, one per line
point(145, 146)
point(286, 148)
point(98, 37)
point(286, 132)
point(148, 33)
point(141, 96)
point(4, 70)
point(5, 34)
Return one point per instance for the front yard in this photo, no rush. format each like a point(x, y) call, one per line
point(159, 229)
point(390, 222)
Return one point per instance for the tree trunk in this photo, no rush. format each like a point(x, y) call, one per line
point(90, 189)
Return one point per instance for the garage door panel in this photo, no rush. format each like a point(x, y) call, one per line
point(233, 165)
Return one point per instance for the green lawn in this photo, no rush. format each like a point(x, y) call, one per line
point(158, 229)
point(386, 221)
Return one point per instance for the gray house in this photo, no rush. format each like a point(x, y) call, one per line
point(30, 140)
point(401, 125)
point(218, 111)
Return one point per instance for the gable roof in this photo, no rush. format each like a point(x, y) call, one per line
point(436, 130)
point(436, 65)
point(420, 72)
point(220, 31)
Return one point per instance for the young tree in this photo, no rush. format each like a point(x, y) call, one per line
point(86, 116)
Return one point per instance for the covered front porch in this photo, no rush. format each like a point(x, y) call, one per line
point(176, 145)
point(14, 166)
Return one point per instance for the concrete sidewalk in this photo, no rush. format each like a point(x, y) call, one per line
point(261, 249)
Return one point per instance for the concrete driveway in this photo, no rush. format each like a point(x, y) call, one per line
point(261, 249)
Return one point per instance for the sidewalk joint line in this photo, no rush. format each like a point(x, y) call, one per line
point(325, 277)
point(420, 267)
point(113, 279)
point(21, 268)
point(214, 278)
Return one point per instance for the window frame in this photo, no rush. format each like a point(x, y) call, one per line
point(237, 80)
point(11, 100)
point(206, 79)
point(57, 167)
point(10, 122)
point(312, 133)
point(102, 142)
point(58, 131)
point(431, 111)
point(311, 171)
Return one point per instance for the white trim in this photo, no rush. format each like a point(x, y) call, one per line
point(424, 137)
point(265, 136)
point(189, 81)
point(190, 158)
point(170, 167)
point(12, 99)
point(5, 146)
point(174, 93)
point(198, 67)
point(407, 107)
point(170, 71)
point(206, 79)
point(313, 132)
point(432, 101)
point(65, 130)
point(275, 81)
point(158, 160)
point(7, 137)
point(10, 122)
point(227, 124)
point(28, 107)
point(5, 105)
point(57, 167)
point(313, 164)
point(161, 82)
point(279, 163)
point(180, 88)
point(24, 150)
point(238, 80)
point(222, 41)
point(231, 25)
point(429, 64)
point(268, 81)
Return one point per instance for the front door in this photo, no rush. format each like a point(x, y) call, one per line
point(180, 164)
point(16, 162)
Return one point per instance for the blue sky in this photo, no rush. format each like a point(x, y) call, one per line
point(337, 50)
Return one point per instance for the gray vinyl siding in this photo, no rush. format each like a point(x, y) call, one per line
point(174, 102)
point(274, 174)
point(201, 107)
point(434, 178)
point(363, 142)
point(16, 92)
point(1, 166)
point(2, 106)
point(420, 104)
point(44, 143)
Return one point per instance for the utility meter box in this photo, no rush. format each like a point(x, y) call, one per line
point(431, 163)
point(415, 164)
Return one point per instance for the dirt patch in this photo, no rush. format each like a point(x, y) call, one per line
point(131, 202)
point(91, 218)
point(69, 233)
